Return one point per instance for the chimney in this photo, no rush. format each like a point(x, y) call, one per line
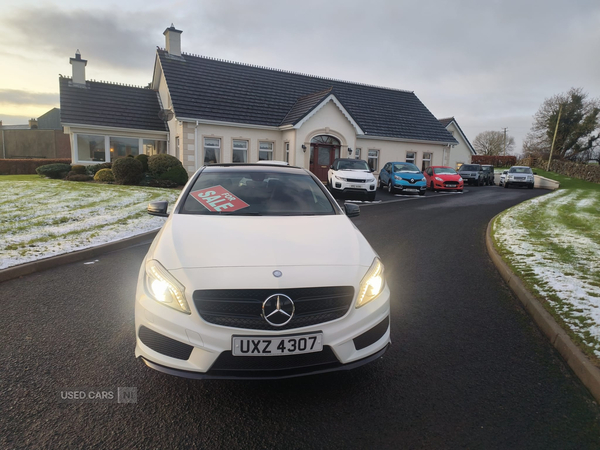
point(78, 68)
point(33, 125)
point(173, 40)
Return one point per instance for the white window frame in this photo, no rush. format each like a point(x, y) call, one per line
point(233, 148)
point(426, 159)
point(287, 152)
point(217, 148)
point(413, 159)
point(357, 153)
point(272, 151)
point(376, 158)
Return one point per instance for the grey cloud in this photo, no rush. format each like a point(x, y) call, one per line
point(20, 97)
point(121, 40)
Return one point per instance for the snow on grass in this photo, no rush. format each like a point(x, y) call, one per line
point(553, 243)
point(43, 218)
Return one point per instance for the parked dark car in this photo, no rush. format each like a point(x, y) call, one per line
point(488, 174)
point(471, 174)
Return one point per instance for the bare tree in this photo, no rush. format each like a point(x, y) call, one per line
point(492, 143)
point(578, 133)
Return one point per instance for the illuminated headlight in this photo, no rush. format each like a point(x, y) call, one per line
point(164, 288)
point(372, 284)
point(438, 179)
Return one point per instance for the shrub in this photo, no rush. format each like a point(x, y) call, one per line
point(94, 168)
point(176, 174)
point(144, 160)
point(79, 170)
point(55, 171)
point(104, 175)
point(72, 176)
point(27, 166)
point(127, 171)
point(159, 164)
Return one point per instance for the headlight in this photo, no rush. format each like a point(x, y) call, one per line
point(372, 284)
point(424, 180)
point(339, 178)
point(164, 288)
point(438, 178)
point(460, 179)
point(396, 177)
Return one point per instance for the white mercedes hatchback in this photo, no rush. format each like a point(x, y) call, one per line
point(258, 273)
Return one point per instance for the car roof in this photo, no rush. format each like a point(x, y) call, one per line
point(442, 167)
point(228, 167)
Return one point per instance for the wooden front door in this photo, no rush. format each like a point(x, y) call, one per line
point(321, 157)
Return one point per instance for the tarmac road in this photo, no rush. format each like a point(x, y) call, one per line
point(467, 368)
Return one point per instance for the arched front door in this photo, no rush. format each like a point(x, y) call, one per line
point(323, 150)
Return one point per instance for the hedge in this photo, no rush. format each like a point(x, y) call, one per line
point(27, 166)
point(127, 171)
point(495, 160)
point(587, 172)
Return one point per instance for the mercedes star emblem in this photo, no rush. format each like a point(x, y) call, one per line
point(278, 309)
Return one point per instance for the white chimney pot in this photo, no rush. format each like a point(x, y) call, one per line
point(78, 68)
point(173, 40)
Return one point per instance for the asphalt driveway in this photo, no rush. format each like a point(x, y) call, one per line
point(467, 367)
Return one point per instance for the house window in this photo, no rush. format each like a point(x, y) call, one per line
point(287, 152)
point(212, 150)
point(121, 147)
point(426, 161)
point(151, 147)
point(411, 157)
point(240, 151)
point(265, 151)
point(90, 148)
point(357, 153)
point(373, 160)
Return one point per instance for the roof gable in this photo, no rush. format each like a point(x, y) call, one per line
point(451, 120)
point(213, 90)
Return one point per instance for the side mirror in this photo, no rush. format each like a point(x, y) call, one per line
point(158, 209)
point(351, 209)
point(331, 166)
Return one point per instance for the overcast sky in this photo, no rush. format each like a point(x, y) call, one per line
point(489, 63)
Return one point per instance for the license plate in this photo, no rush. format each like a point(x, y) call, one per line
point(276, 346)
point(411, 190)
point(356, 186)
point(450, 185)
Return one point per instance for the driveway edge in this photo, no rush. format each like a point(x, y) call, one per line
point(48, 263)
point(587, 372)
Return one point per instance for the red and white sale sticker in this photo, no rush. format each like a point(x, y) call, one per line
point(218, 199)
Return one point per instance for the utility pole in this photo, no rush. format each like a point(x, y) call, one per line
point(553, 139)
point(505, 130)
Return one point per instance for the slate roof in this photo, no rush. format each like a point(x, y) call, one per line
point(446, 121)
point(303, 106)
point(110, 105)
point(210, 89)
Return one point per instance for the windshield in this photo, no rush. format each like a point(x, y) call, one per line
point(444, 170)
point(406, 167)
point(256, 193)
point(469, 168)
point(520, 170)
point(352, 164)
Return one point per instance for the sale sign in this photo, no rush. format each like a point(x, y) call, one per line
point(218, 199)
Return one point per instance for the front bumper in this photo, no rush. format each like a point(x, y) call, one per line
point(519, 182)
point(348, 188)
point(188, 346)
point(448, 185)
point(406, 187)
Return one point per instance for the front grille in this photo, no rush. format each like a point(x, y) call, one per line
point(242, 308)
point(354, 180)
point(227, 364)
point(453, 183)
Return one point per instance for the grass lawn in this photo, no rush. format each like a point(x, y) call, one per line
point(553, 243)
point(41, 217)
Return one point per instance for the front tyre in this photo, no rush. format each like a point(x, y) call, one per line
point(505, 185)
point(421, 193)
point(390, 188)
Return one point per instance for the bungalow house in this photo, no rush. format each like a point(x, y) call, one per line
point(204, 110)
point(463, 151)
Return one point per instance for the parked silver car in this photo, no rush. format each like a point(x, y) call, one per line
point(519, 176)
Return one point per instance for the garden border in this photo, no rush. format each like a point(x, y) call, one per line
point(79, 255)
point(587, 372)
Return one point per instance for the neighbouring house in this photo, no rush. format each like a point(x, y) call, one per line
point(204, 110)
point(462, 152)
point(40, 138)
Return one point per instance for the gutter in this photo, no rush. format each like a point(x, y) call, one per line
point(196, 144)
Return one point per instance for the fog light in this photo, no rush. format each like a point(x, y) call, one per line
point(338, 185)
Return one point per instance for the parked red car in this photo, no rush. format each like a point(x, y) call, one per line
point(443, 178)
